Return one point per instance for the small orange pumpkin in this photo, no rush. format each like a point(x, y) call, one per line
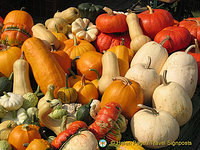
point(38, 144)
point(73, 78)
point(125, 92)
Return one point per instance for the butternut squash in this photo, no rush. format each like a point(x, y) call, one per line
point(21, 81)
point(110, 69)
point(138, 39)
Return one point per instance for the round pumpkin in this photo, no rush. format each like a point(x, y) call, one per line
point(127, 93)
point(38, 144)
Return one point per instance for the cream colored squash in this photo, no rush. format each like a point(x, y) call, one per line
point(84, 29)
point(154, 128)
point(147, 77)
point(172, 97)
point(110, 69)
point(41, 32)
point(182, 68)
point(154, 50)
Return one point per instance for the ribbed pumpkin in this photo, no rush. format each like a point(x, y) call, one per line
point(86, 91)
point(127, 93)
point(45, 68)
point(38, 144)
point(75, 47)
point(8, 55)
point(89, 60)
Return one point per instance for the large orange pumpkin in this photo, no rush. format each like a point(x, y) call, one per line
point(127, 93)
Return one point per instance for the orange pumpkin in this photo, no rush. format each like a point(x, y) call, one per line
point(76, 47)
point(45, 67)
point(38, 144)
point(8, 55)
point(127, 93)
point(89, 60)
point(86, 91)
point(73, 78)
point(22, 134)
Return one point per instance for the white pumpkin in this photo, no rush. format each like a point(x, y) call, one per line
point(154, 128)
point(154, 50)
point(171, 97)
point(147, 77)
point(182, 68)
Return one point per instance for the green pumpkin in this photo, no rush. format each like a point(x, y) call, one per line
point(90, 11)
point(6, 84)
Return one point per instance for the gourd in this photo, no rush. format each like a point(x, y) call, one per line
point(154, 128)
point(138, 39)
point(21, 81)
point(6, 84)
point(125, 92)
point(36, 53)
point(84, 29)
point(40, 144)
point(4, 145)
point(172, 97)
point(147, 77)
point(5, 129)
point(41, 32)
point(94, 108)
point(182, 68)
point(110, 69)
point(154, 50)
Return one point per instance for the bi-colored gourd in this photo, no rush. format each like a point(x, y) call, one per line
point(21, 81)
point(138, 39)
point(110, 69)
point(153, 128)
point(5, 129)
point(172, 97)
point(182, 68)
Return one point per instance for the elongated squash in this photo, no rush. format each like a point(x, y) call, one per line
point(46, 69)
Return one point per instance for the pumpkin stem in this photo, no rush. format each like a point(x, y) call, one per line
point(189, 48)
point(37, 90)
point(4, 92)
point(95, 70)
point(108, 11)
point(11, 76)
point(63, 123)
point(26, 144)
point(56, 28)
point(22, 55)
point(163, 41)
point(75, 41)
point(147, 65)
point(196, 46)
point(72, 73)
point(150, 9)
point(88, 105)
point(23, 8)
point(123, 41)
point(9, 125)
point(25, 127)
point(154, 111)
point(123, 79)
point(83, 80)
point(66, 81)
point(164, 78)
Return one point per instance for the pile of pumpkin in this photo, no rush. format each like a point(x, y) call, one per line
point(98, 70)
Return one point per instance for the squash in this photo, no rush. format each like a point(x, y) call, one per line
point(6, 84)
point(154, 128)
point(37, 53)
point(86, 90)
point(40, 144)
point(8, 55)
point(22, 134)
point(155, 51)
point(138, 39)
point(147, 77)
point(5, 129)
point(174, 100)
point(70, 14)
point(41, 32)
point(125, 92)
point(110, 69)
point(4, 145)
point(84, 29)
point(21, 81)
point(182, 68)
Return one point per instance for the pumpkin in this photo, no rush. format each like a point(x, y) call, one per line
point(111, 23)
point(147, 77)
point(73, 78)
point(84, 29)
point(172, 97)
point(6, 84)
point(86, 90)
point(40, 144)
point(153, 21)
point(193, 26)
point(89, 60)
point(14, 34)
point(6, 128)
point(22, 134)
point(90, 11)
point(45, 68)
point(155, 51)
point(67, 94)
point(182, 68)
point(135, 31)
point(125, 92)
point(179, 38)
point(95, 81)
point(105, 41)
point(8, 55)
